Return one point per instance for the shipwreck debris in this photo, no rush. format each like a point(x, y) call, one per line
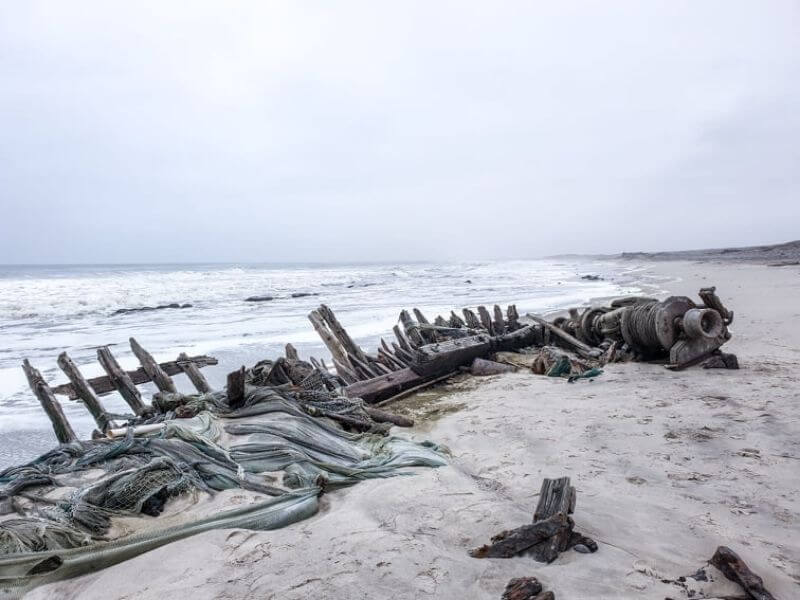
point(551, 532)
point(526, 588)
point(735, 569)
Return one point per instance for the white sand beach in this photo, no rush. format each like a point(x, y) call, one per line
point(667, 467)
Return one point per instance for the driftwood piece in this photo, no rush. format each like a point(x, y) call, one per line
point(522, 588)
point(735, 569)
point(85, 392)
point(150, 366)
point(411, 329)
point(556, 497)
point(192, 371)
point(486, 320)
point(338, 353)
point(341, 334)
point(499, 324)
point(472, 321)
point(481, 367)
point(511, 542)
point(102, 385)
point(291, 352)
point(61, 427)
point(567, 340)
point(401, 339)
point(379, 388)
point(235, 387)
point(121, 380)
point(382, 416)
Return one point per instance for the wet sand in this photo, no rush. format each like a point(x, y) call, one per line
point(667, 466)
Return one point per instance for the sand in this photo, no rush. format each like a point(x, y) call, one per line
point(667, 466)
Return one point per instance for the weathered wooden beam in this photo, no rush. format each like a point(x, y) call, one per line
point(340, 333)
point(472, 321)
point(85, 392)
point(456, 321)
point(513, 317)
point(291, 352)
point(411, 329)
point(121, 380)
point(511, 542)
point(198, 380)
point(102, 385)
point(379, 388)
point(499, 324)
point(402, 354)
point(61, 427)
point(150, 366)
point(338, 353)
point(557, 496)
point(486, 320)
point(235, 387)
point(427, 335)
point(735, 569)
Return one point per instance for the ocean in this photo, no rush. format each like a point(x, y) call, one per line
point(45, 310)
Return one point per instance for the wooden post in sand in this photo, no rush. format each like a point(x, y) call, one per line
point(61, 427)
point(121, 380)
point(85, 392)
point(163, 381)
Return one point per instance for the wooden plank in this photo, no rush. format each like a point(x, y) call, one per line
point(102, 385)
point(411, 329)
point(85, 392)
point(499, 324)
point(486, 320)
point(121, 381)
point(150, 366)
point(340, 333)
point(509, 543)
point(378, 388)
point(556, 495)
point(513, 317)
point(61, 427)
point(193, 373)
point(401, 339)
point(235, 387)
point(436, 359)
point(472, 321)
point(338, 353)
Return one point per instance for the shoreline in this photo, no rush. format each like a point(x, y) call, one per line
point(667, 465)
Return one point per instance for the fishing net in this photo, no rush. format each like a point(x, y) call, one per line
point(58, 512)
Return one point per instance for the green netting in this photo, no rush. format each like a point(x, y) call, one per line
point(271, 446)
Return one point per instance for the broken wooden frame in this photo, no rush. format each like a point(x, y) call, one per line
point(116, 379)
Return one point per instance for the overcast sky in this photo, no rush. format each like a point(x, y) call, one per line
point(326, 131)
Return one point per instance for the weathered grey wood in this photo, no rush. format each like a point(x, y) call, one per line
point(102, 385)
point(51, 406)
point(427, 335)
point(382, 416)
point(121, 380)
point(486, 320)
point(482, 368)
point(393, 356)
point(567, 340)
point(456, 321)
point(735, 569)
point(363, 367)
point(472, 321)
point(513, 317)
point(499, 324)
point(411, 330)
point(235, 387)
point(510, 543)
point(338, 353)
point(345, 372)
point(405, 356)
point(522, 588)
point(85, 392)
point(389, 360)
point(340, 333)
point(401, 339)
point(556, 495)
point(440, 321)
point(150, 366)
point(379, 388)
point(198, 380)
point(291, 352)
